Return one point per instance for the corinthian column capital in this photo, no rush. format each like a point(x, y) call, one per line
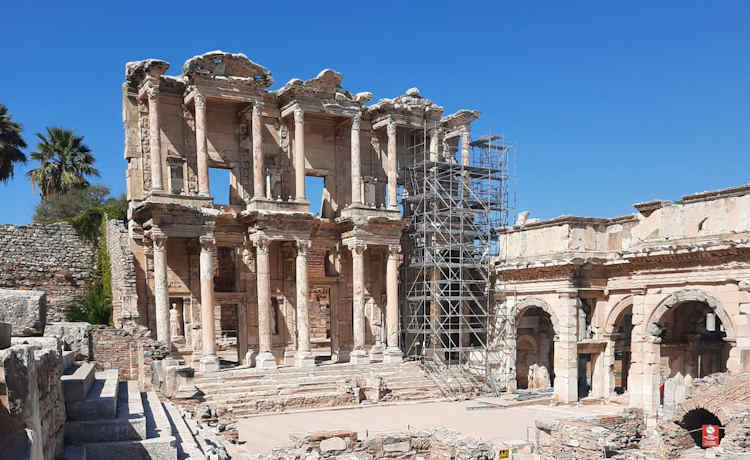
point(299, 115)
point(207, 242)
point(356, 120)
point(153, 93)
point(391, 127)
point(200, 101)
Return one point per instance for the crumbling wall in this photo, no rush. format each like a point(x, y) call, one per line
point(51, 258)
point(122, 267)
point(32, 408)
point(129, 351)
point(437, 444)
point(591, 437)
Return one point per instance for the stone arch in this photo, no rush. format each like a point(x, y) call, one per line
point(624, 303)
point(530, 302)
point(689, 295)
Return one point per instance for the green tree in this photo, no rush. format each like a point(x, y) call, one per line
point(65, 161)
point(11, 144)
point(70, 204)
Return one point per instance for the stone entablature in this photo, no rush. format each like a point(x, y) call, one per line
point(653, 294)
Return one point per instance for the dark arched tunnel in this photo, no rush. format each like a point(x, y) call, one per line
point(694, 420)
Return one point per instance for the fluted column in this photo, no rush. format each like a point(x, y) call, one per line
point(303, 357)
point(265, 359)
point(161, 296)
point(359, 354)
point(209, 360)
point(392, 165)
point(154, 133)
point(356, 162)
point(258, 189)
point(299, 153)
point(201, 145)
point(392, 352)
point(465, 145)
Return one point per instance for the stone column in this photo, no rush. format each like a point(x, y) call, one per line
point(201, 145)
point(209, 360)
point(392, 352)
point(161, 295)
point(258, 189)
point(265, 359)
point(154, 143)
point(304, 357)
point(392, 165)
point(637, 345)
point(566, 348)
point(465, 147)
point(299, 154)
point(434, 139)
point(651, 374)
point(359, 354)
point(356, 162)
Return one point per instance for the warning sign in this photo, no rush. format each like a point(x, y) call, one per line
point(503, 453)
point(710, 436)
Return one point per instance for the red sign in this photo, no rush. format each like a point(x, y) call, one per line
point(710, 436)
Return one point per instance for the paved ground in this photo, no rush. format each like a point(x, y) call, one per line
point(504, 424)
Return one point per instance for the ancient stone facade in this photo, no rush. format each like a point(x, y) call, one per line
point(289, 285)
point(51, 258)
point(621, 304)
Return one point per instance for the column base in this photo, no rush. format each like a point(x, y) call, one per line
point(209, 364)
point(265, 360)
point(250, 358)
point(359, 357)
point(393, 355)
point(304, 359)
point(376, 353)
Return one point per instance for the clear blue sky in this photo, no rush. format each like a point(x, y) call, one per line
point(610, 104)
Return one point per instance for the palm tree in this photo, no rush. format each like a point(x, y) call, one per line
point(65, 161)
point(11, 144)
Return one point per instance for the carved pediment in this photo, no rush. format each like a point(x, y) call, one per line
point(218, 64)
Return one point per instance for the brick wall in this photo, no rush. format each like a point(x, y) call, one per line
point(51, 258)
point(129, 351)
point(122, 263)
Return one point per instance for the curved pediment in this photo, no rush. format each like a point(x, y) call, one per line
point(218, 64)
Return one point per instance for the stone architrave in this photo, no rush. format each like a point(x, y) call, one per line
point(26, 311)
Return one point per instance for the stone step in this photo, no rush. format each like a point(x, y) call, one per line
point(273, 379)
point(77, 380)
point(73, 453)
point(154, 442)
point(295, 372)
point(101, 402)
point(188, 446)
point(130, 423)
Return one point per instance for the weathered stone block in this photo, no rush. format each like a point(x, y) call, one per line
point(75, 337)
point(334, 444)
point(26, 311)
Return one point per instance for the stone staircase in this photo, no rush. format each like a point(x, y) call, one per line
point(242, 392)
point(108, 419)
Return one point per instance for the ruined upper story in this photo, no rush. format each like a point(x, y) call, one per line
point(699, 222)
point(220, 113)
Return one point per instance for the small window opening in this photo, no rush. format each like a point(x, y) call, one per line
point(219, 185)
point(176, 180)
point(314, 186)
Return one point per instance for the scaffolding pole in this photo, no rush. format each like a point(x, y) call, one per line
point(453, 207)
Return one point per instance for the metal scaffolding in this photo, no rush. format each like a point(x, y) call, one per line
point(453, 207)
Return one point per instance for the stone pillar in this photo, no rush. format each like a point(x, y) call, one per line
point(650, 367)
point(465, 147)
point(392, 352)
point(154, 143)
point(356, 162)
point(637, 347)
point(434, 139)
point(201, 145)
point(161, 295)
point(265, 359)
point(209, 360)
point(358, 354)
point(566, 348)
point(392, 165)
point(258, 189)
point(304, 357)
point(609, 365)
point(299, 154)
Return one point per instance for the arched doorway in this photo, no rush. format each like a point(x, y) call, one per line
point(535, 335)
point(694, 420)
point(692, 340)
point(621, 337)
